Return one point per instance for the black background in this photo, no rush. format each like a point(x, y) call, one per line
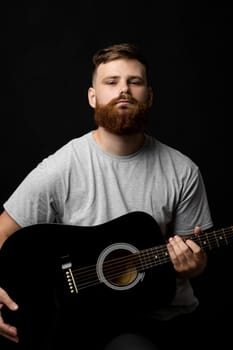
point(46, 51)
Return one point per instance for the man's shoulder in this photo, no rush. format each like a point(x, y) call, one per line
point(76, 142)
point(170, 153)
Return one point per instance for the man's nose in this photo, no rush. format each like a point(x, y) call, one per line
point(124, 89)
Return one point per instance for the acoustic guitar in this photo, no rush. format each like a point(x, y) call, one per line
point(57, 273)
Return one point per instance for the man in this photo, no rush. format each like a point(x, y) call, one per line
point(114, 170)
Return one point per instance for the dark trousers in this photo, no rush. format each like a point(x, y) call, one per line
point(191, 331)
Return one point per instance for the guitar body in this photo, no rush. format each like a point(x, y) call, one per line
point(71, 277)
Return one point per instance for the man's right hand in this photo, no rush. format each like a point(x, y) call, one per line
point(6, 330)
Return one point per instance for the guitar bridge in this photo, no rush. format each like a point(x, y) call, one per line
point(68, 274)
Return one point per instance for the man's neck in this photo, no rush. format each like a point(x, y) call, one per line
point(120, 145)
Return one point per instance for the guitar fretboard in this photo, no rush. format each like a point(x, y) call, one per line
point(208, 241)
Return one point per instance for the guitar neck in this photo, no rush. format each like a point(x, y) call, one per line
point(208, 241)
point(215, 239)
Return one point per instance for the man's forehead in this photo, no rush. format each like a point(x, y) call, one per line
point(121, 67)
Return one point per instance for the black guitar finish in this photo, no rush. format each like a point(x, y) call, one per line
point(60, 272)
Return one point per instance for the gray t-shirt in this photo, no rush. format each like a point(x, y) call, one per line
point(83, 185)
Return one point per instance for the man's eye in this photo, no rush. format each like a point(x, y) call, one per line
point(110, 82)
point(135, 82)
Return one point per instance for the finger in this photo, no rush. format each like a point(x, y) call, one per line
point(8, 331)
point(197, 230)
point(193, 246)
point(181, 254)
point(176, 248)
point(6, 300)
point(12, 338)
point(179, 246)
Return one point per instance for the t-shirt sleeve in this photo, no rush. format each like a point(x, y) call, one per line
point(193, 209)
point(34, 201)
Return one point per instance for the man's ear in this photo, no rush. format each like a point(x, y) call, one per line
point(91, 97)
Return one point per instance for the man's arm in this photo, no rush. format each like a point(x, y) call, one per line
point(7, 227)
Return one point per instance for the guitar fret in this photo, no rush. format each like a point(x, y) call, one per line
point(221, 239)
point(154, 256)
point(215, 239)
point(144, 255)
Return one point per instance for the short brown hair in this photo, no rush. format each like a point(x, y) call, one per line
point(118, 51)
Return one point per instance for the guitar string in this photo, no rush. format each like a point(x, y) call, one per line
point(113, 267)
point(88, 276)
point(124, 259)
point(159, 249)
point(129, 258)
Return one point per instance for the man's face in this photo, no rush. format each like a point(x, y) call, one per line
point(120, 96)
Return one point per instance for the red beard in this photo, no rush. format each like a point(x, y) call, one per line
point(123, 120)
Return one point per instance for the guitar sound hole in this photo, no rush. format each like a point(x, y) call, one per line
point(119, 267)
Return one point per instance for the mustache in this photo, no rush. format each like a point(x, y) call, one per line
point(123, 96)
